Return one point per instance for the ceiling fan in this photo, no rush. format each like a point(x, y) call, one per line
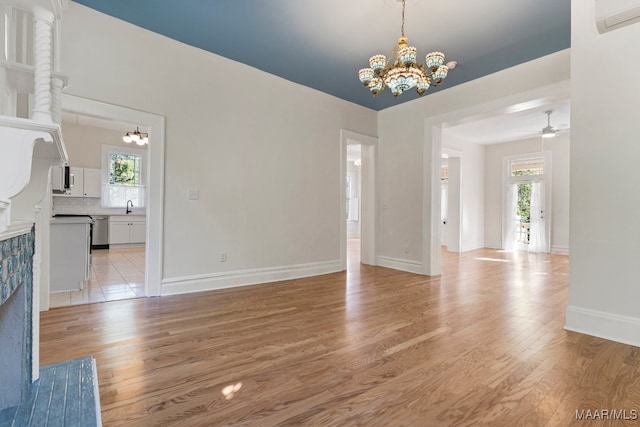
point(550, 131)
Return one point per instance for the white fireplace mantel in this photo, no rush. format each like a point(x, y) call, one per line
point(22, 141)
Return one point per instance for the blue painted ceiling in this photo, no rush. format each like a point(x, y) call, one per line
point(323, 44)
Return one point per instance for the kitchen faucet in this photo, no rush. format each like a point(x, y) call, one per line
point(129, 210)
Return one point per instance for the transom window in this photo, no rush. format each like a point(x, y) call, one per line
point(527, 167)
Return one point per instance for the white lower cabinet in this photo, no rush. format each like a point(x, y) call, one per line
point(124, 229)
point(69, 252)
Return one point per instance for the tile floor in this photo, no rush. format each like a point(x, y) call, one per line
point(115, 274)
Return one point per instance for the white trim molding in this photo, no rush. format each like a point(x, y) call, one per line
point(409, 266)
point(560, 250)
point(232, 279)
point(493, 245)
point(614, 327)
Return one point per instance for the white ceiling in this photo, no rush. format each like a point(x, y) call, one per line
point(514, 123)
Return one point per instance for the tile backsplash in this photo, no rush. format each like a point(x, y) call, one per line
point(86, 206)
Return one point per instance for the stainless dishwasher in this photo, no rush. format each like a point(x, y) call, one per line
point(100, 238)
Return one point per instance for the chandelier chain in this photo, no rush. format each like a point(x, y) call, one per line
point(402, 29)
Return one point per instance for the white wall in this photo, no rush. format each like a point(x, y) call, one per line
point(263, 152)
point(605, 153)
point(494, 191)
point(472, 190)
point(84, 144)
point(407, 150)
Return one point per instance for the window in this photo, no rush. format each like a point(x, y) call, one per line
point(124, 169)
point(124, 178)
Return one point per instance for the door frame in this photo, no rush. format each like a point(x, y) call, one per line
point(432, 149)
point(155, 176)
point(368, 199)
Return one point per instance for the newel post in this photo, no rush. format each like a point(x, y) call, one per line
point(43, 23)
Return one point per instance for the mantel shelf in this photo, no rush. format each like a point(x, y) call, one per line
point(48, 132)
point(22, 141)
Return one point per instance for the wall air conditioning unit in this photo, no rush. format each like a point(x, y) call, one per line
point(614, 14)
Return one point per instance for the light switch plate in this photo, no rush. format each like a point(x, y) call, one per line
point(194, 194)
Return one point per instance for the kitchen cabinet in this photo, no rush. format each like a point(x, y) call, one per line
point(85, 182)
point(125, 229)
point(92, 182)
point(77, 185)
point(70, 255)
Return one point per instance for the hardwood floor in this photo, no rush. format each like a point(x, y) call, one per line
point(482, 345)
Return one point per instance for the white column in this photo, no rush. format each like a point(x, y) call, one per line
point(56, 99)
point(43, 24)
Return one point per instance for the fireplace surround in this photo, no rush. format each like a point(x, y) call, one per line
point(16, 293)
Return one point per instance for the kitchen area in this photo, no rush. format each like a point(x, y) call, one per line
point(98, 222)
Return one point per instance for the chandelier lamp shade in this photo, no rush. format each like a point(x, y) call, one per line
point(140, 138)
point(401, 71)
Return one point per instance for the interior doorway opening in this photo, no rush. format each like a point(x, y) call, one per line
point(151, 256)
point(352, 201)
point(357, 199)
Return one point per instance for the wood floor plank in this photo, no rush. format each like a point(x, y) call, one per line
point(483, 344)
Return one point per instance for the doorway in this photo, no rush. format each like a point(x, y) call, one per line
point(522, 215)
point(353, 195)
point(155, 172)
point(527, 203)
point(451, 202)
point(357, 199)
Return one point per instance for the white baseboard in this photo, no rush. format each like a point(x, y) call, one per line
point(231, 279)
point(473, 246)
point(493, 245)
point(400, 264)
point(600, 324)
point(561, 250)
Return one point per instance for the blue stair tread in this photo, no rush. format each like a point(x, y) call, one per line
point(64, 396)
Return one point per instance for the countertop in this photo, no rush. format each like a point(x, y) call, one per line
point(81, 219)
point(99, 212)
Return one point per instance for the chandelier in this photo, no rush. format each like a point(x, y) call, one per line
point(403, 72)
point(140, 138)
